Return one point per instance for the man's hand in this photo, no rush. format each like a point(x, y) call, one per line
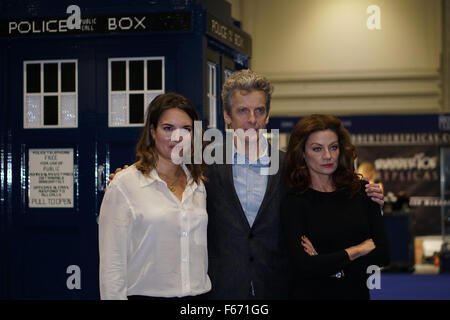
point(375, 193)
point(112, 175)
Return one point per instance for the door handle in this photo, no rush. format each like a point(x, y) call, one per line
point(101, 183)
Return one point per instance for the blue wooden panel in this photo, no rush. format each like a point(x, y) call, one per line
point(4, 244)
point(30, 273)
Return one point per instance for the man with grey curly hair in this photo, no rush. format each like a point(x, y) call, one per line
point(247, 257)
point(245, 80)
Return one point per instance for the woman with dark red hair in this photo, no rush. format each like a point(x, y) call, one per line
point(333, 229)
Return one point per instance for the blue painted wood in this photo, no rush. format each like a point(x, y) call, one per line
point(4, 243)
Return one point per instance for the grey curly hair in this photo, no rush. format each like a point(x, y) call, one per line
point(245, 80)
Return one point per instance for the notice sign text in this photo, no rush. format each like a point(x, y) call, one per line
point(51, 174)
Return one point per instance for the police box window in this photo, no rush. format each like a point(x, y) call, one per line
point(227, 73)
point(133, 84)
point(50, 94)
point(212, 95)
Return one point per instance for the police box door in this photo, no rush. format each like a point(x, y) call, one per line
point(131, 76)
point(52, 229)
point(76, 111)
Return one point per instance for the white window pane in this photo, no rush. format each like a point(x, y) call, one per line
point(33, 111)
point(58, 110)
point(227, 73)
point(213, 82)
point(118, 109)
point(121, 106)
point(212, 112)
point(149, 98)
point(69, 110)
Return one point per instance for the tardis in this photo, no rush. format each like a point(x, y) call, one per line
point(76, 79)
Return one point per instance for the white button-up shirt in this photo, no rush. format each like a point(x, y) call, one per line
point(150, 242)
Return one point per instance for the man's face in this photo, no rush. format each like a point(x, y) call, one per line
point(248, 110)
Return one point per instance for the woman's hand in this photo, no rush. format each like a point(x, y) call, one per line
point(308, 246)
point(361, 249)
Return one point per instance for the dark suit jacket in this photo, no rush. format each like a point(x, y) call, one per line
point(237, 253)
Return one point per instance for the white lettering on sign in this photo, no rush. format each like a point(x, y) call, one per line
point(51, 178)
point(226, 33)
point(126, 23)
point(418, 161)
point(26, 27)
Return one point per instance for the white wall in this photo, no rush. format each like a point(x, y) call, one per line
point(322, 58)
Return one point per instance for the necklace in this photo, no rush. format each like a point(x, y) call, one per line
point(170, 185)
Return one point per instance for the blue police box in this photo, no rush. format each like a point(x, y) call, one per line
point(76, 79)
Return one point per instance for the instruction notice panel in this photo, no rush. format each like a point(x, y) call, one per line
point(50, 178)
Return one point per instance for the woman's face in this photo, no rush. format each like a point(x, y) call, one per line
point(172, 123)
point(322, 152)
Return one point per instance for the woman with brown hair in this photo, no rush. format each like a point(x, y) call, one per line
point(333, 230)
point(153, 221)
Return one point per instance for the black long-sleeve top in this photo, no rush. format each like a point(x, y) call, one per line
point(332, 222)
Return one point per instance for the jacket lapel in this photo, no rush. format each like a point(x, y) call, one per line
point(273, 186)
point(229, 185)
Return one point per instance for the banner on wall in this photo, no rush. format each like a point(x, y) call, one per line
point(410, 175)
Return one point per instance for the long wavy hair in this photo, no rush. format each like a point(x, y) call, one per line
point(297, 175)
point(146, 152)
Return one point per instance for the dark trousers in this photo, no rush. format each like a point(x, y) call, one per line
point(186, 298)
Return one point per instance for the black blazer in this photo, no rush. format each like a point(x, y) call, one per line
point(237, 253)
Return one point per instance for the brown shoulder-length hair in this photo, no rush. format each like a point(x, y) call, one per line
point(296, 174)
point(146, 152)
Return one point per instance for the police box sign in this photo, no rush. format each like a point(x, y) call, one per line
point(150, 22)
point(229, 35)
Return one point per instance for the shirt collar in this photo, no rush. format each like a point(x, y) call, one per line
point(263, 159)
point(153, 176)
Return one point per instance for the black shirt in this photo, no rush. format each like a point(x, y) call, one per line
point(332, 222)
